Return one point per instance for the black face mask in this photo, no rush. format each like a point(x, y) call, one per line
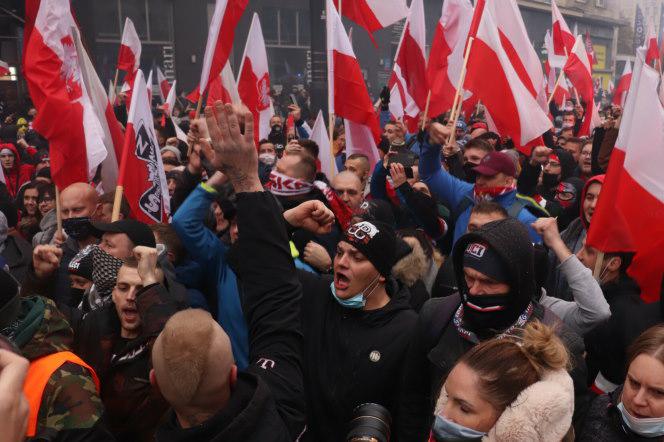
point(471, 175)
point(78, 228)
point(77, 294)
point(550, 180)
point(498, 312)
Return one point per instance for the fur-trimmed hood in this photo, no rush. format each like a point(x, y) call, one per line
point(541, 413)
point(412, 267)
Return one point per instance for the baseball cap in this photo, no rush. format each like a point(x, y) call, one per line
point(139, 233)
point(494, 163)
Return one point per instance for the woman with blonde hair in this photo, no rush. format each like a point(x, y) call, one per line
point(635, 410)
point(508, 389)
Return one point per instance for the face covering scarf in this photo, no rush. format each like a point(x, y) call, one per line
point(491, 193)
point(78, 228)
point(283, 185)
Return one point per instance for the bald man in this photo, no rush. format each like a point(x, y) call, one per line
point(349, 188)
point(49, 273)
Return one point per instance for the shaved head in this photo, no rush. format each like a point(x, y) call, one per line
point(349, 188)
point(193, 365)
point(77, 200)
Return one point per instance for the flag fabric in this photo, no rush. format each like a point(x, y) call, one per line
point(142, 171)
point(561, 92)
point(620, 91)
point(579, 72)
point(2, 176)
point(518, 47)
point(4, 68)
point(227, 14)
point(629, 213)
point(396, 106)
point(446, 55)
point(129, 59)
point(148, 84)
point(556, 61)
point(563, 39)
point(652, 47)
point(253, 83)
point(164, 85)
point(319, 134)
point(112, 97)
point(222, 88)
point(639, 28)
point(373, 15)
point(349, 98)
point(590, 50)
point(410, 65)
point(169, 105)
point(54, 76)
point(113, 136)
point(514, 110)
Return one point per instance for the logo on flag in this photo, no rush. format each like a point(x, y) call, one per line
point(70, 71)
point(264, 92)
point(150, 201)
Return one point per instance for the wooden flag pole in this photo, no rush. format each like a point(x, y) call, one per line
point(340, 10)
point(462, 77)
point(117, 203)
point(198, 106)
point(426, 110)
point(58, 213)
point(331, 134)
point(115, 82)
point(553, 92)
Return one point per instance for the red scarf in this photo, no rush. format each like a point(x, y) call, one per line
point(341, 211)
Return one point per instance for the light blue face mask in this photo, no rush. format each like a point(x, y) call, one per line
point(646, 427)
point(444, 429)
point(358, 301)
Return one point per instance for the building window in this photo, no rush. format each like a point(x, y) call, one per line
point(285, 27)
point(600, 3)
point(153, 20)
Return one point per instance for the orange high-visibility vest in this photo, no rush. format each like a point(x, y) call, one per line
point(39, 373)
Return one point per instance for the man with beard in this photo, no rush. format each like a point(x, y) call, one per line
point(496, 181)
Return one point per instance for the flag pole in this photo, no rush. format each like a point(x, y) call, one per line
point(58, 212)
point(331, 134)
point(553, 92)
point(426, 110)
point(115, 82)
point(459, 90)
point(198, 106)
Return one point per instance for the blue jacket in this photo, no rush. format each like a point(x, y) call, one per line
point(210, 253)
point(451, 191)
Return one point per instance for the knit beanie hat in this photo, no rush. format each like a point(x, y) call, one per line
point(81, 264)
point(379, 243)
point(481, 257)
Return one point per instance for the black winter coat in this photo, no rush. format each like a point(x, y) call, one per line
point(351, 357)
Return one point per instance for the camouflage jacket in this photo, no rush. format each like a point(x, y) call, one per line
point(71, 408)
point(133, 406)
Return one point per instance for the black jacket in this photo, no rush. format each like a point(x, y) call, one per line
point(351, 357)
point(437, 344)
point(18, 254)
point(268, 400)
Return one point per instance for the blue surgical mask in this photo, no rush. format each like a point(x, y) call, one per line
point(444, 429)
point(646, 427)
point(358, 301)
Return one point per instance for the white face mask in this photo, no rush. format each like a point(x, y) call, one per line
point(267, 159)
point(646, 427)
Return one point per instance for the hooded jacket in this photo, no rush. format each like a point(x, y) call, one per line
point(71, 408)
point(47, 226)
point(437, 344)
point(19, 174)
point(351, 357)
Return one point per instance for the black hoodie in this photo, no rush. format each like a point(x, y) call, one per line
point(437, 344)
point(351, 357)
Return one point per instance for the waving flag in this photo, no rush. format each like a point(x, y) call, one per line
point(579, 72)
point(652, 48)
point(142, 176)
point(563, 39)
point(226, 16)
point(349, 98)
point(129, 59)
point(630, 210)
point(556, 61)
point(253, 83)
point(373, 15)
point(409, 73)
point(513, 108)
point(446, 56)
point(53, 73)
point(620, 91)
point(591, 50)
point(164, 85)
point(319, 134)
point(169, 105)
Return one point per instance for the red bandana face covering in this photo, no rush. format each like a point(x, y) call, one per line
point(490, 193)
point(283, 185)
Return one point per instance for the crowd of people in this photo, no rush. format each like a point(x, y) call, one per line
point(445, 293)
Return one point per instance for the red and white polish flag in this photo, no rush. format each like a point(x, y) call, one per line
point(141, 169)
point(579, 73)
point(4, 68)
point(620, 91)
point(556, 61)
point(515, 111)
point(129, 59)
point(373, 15)
point(103, 108)
point(148, 84)
point(563, 39)
point(253, 83)
point(164, 85)
point(227, 14)
point(320, 135)
point(54, 78)
point(630, 210)
point(446, 55)
point(410, 66)
point(349, 98)
point(169, 105)
point(652, 47)
point(222, 88)
point(591, 50)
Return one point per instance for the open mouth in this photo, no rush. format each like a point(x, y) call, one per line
point(130, 314)
point(341, 282)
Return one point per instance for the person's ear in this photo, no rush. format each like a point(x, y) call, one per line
point(232, 376)
point(614, 264)
point(509, 181)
